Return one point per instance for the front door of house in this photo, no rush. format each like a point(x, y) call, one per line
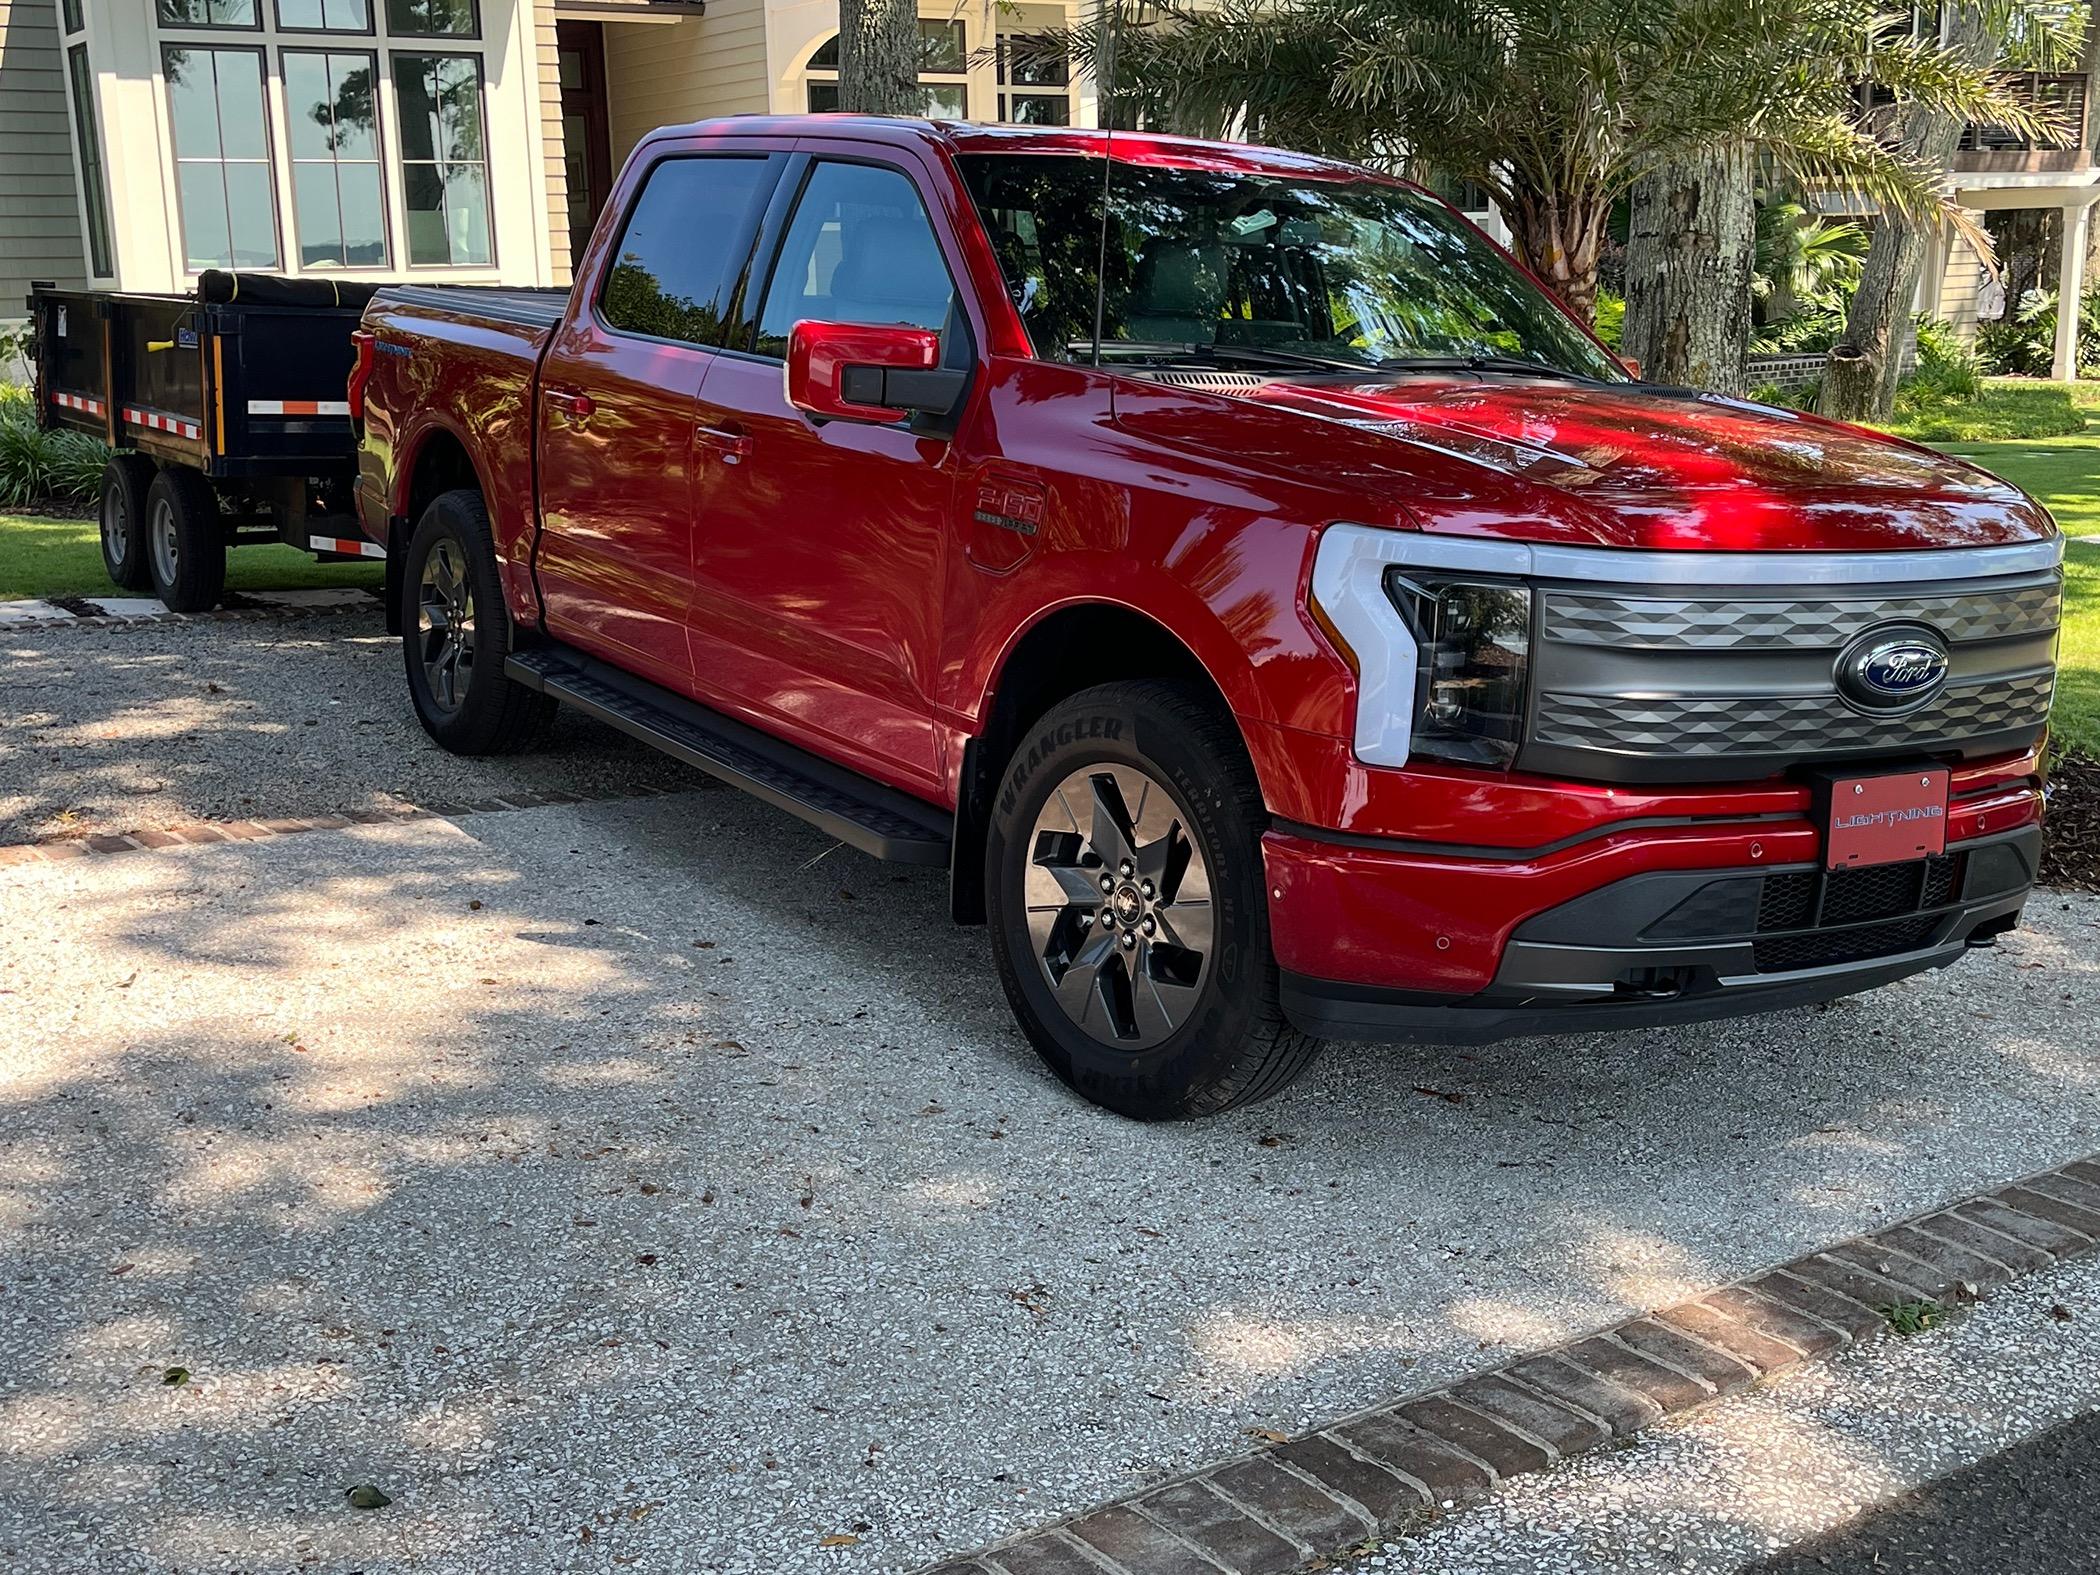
point(586, 134)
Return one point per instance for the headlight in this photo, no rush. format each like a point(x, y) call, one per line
point(1475, 643)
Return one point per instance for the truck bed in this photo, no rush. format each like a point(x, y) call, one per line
point(527, 308)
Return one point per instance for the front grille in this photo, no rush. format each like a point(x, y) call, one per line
point(1639, 684)
point(1824, 948)
point(1789, 727)
point(1679, 623)
point(1837, 910)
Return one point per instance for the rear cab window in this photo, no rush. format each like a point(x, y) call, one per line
point(683, 247)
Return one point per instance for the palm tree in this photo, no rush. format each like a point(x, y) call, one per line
point(1558, 108)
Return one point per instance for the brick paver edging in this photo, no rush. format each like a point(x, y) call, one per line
point(1299, 1501)
point(60, 849)
point(82, 613)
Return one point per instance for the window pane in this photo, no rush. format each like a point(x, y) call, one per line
point(823, 97)
point(859, 250)
point(454, 17)
point(945, 101)
point(941, 48)
point(205, 243)
point(1032, 62)
point(364, 217)
point(350, 15)
point(459, 108)
point(682, 250)
point(308, 105)
point(192, 102)
point(207, 13)
point(1039, 109)
point(300, 13)
point(315, 211)
point(423, 196)
point(827, 56)
point(251, 214)
point(242, 132)
point(467, 213)
point(74, 22)
point(89, 140)
point(415, 86)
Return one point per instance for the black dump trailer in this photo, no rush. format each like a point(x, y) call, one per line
point(230, 411)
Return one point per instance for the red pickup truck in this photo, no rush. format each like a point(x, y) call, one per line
point(1281, 619)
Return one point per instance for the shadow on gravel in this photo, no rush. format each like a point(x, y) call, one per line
point(125, 727)
point(651, 1186)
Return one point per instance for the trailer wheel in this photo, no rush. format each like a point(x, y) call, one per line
point(185, 542)
point(455, 633)
point(125, 481)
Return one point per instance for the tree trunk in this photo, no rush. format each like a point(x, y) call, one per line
point(1690, 257)
point(1559, 235)
point(1859, 384)
point(879, 57)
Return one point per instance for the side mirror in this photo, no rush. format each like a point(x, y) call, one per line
point(1631, 366)
point(862, 372)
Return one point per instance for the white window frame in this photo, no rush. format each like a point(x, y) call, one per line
point(383, 45)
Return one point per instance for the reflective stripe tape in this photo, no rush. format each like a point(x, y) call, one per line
point(77, 402)
point(298, 407)
point(346, 546)
point(157, 422)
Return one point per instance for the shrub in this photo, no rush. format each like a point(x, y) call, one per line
point(1611, 317)
point(39, 467)
point(2023, 342)
point(1947, 369)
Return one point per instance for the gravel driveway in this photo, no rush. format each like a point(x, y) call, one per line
point(650, 1186)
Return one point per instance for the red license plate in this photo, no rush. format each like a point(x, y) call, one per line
point(1884, 820)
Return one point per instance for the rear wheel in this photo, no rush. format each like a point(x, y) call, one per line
point(455, 633)
point(126, 480)
point(185, 541)
point(1128, 915)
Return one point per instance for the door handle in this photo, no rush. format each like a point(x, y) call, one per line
point(577, 407)
point(732, 441)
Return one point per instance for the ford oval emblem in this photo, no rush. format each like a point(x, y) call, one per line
point(1893, 669)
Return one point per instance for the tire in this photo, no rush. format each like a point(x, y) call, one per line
point(185, 541)
point(1159, 1025)
point(456, 631)
point(126, 480)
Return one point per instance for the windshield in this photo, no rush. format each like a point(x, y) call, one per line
point(1230, 266)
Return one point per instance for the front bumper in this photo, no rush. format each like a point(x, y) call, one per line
point(1639, 927)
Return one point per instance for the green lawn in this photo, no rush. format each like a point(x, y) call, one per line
point(2064, 473)
point(53, 557)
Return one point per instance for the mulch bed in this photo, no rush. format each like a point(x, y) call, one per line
point(2071, 841)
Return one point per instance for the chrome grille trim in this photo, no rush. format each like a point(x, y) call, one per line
point(1709, 624)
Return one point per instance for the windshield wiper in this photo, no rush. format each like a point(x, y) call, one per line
point(1244, 355)
point(1481, 363)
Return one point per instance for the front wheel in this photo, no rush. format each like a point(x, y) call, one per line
point(455, 633)
point(185, 541)
point(1125, 885)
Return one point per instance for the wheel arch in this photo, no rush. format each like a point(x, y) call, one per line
point(1066, 648)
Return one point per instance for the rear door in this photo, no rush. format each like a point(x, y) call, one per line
point(821, 549)
point(617, 407)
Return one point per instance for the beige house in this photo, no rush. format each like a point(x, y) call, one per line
point(466, 140)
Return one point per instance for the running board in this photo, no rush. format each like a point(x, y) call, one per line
point(861, 813)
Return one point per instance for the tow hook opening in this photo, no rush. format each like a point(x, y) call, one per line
point(1653, 984)
point(1987, 933)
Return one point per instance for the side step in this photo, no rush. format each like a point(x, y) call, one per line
point(861, 813)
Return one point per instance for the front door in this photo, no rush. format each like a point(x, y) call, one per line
point(820, 550)
point(618, 392)
point(585, 131)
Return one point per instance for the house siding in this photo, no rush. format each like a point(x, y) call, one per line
point(553, 149)
point(692, 69)
point(39, 213)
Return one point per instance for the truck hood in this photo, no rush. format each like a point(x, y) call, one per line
point(1638, 466)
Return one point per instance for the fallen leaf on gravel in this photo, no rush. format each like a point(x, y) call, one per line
point(646, 1259)
point(838, 1539)
point(125, 983)
point(366, 1496)
point(1268, 1435)
point(175, 1376)
point(705, 946)
point(1438, 1093)
point(2060, 1313)
point(123, 1268)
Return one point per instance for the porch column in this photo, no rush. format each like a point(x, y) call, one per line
point(2070, 291)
